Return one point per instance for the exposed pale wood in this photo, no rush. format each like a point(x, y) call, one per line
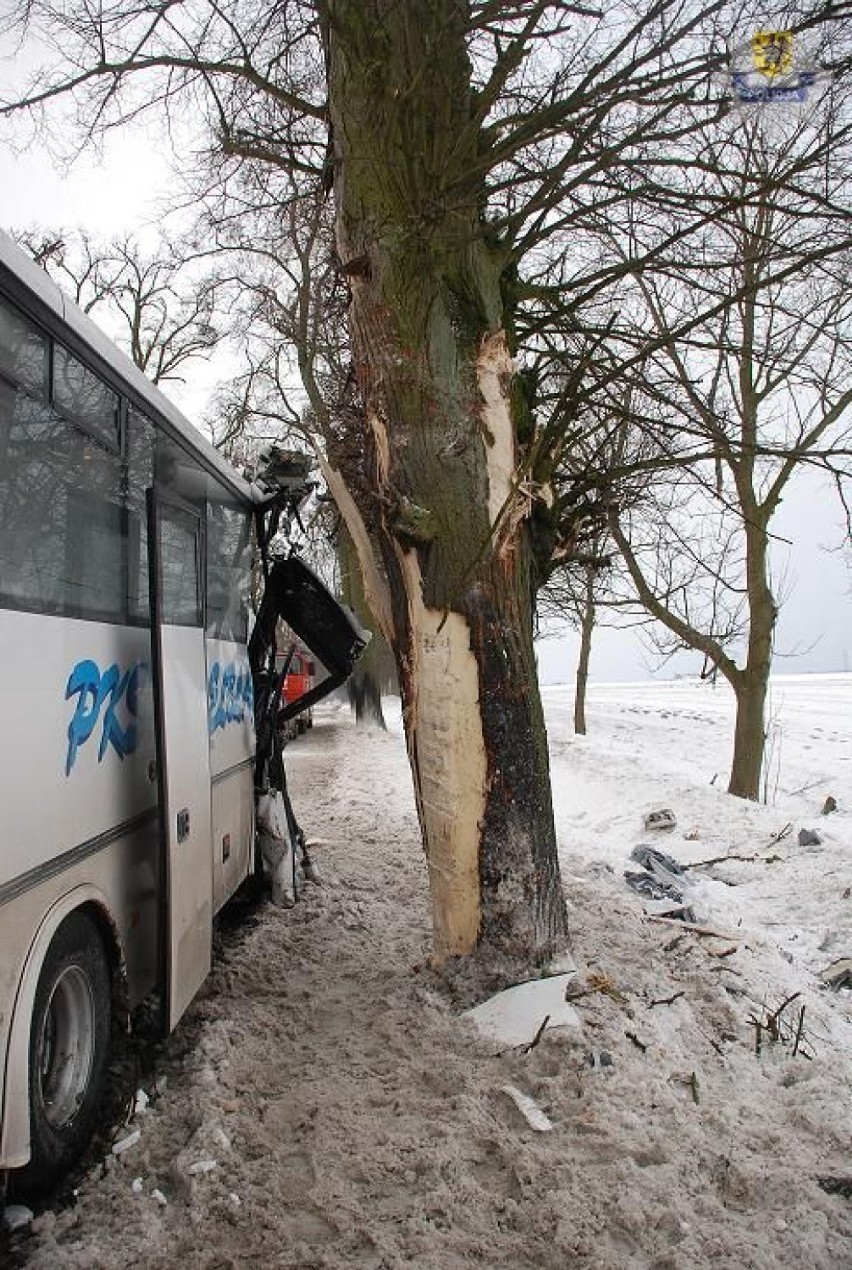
point(445, 733)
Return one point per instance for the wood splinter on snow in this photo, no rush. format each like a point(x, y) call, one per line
point(533, 1114)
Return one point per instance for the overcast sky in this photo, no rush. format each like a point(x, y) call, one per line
point(126, 189)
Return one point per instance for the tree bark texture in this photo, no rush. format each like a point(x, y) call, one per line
point(434, 370)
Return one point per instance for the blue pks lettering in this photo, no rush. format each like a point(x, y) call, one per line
point(99, 694)
point(230, 695)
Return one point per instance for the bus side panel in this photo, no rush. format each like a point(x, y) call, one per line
point(121, 878)
point(79, 803)
point(187, 821)
point(233, 833)
point(230, 724)
point(78, 737)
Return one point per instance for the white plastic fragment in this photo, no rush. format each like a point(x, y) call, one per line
point(158, 1195)
point(276, 848)
point(124, 1144)
point(660, 818)
point(141, 1102)
point(136, 1186)
point(533, 1114)
point(17, 1217)
point(235, 1199)
point(513, 1017)
point(202, 1166)
point(220, 1139)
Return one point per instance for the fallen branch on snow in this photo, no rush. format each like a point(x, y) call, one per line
point(694, 927)
point(667, 1000)
point(743, 859)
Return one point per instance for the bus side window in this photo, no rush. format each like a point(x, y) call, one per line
point(23, 352)
point(229, 554)
point(179, 550)
point(95, 557)
point(84, 397)
point(62, 527)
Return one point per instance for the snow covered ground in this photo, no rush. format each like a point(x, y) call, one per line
point(324, 1104)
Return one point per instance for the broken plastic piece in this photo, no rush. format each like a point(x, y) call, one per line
point(664, 867)
point(662, 818)
point(646, 884)
point(838, 974)
point(513, 1017)
point(17, 1217)
point(124, 1144)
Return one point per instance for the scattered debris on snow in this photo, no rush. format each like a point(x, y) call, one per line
point(276, 849)
point(17, 1217)
point(124, 1144)
point(600, 1058)
point(661, 818)
point(662, 882)
point(836, 1185)
point(514, 1017)
point(838, 974)
point(219, 1138)
point(809, 838)
point(532, 1113)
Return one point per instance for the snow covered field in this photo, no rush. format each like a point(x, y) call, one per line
point(341, 1114)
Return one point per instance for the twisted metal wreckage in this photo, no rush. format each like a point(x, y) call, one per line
point(292, 593)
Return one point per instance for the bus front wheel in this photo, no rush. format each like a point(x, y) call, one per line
point(69, 1050)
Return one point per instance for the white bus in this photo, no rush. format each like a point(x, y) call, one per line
point(127, 760)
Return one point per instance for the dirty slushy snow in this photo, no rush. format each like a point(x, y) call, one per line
point(324, 1105)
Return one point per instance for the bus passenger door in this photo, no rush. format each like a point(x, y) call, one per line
point(183, 756)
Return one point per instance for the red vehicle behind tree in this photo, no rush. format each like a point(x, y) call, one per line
point(299, 679)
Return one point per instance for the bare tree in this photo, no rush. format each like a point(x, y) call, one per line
point(573, 593)
point(744, 399)
point(161, 310)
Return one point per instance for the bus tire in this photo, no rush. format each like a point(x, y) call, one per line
point(69, 1051)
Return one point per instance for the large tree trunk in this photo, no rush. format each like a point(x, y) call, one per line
point(434, 372)
point(587, 626)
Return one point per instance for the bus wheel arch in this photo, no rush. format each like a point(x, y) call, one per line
point(82, 994)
